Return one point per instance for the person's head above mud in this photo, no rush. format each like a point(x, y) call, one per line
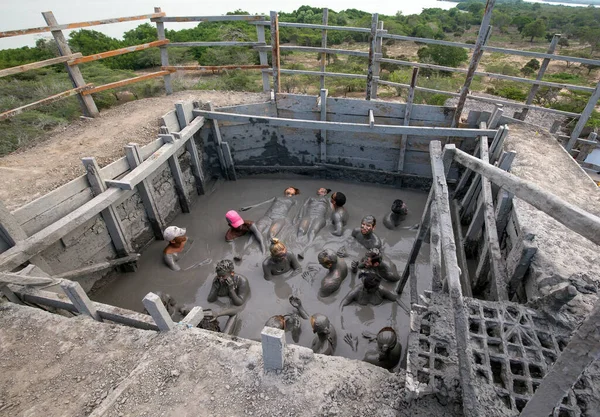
point(320, 323)
point(323, 191)
point(228, 284)
point(386, 340)
point(373, 258)
point(234, 219)
point(224, 269)
point(338, 199)
point(398, 207)
point(370, 280)
point(327, 258)
point(175, 236)
point(367, 224)
point(291, 191)
point(278, 248)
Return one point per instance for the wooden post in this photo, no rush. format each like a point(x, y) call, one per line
point(376, 63)
point(407, 110)
point(555, 126)
point(324, 93)
point(12, 233)
point(262, 56)
point(10, 295)
point(146, 191)
point(324, 54)
point(540, 75)
point(110, 215)
point(518, 261)
point(87, 102)
point(80, 299)
point(190, 146)
point(495, 116)
point(504, 163)
point(585, 149)
point(435, 255)
point(439, 188)
point(275, 61)
point(218, 142)
point(503, 210)
point(465, 280)
point(184, 200)
point(583, 348)
point(414, 292)
point(164, 53)
point(372, 44)
point(484, 33)
point(194, 317)
point(158, 312)
point(585, 115)
point(231, 174)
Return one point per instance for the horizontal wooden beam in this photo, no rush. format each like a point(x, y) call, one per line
point(36, 65)
point(227, 18)
point(116, 52)
point(139, 173)
point(320, 73)
point(126, 82)
point(427, 41)
point(314, 26)
point(47, 100)
point(571, 216)
point(98, 267)
point(212, 67)
point(345, 127)
point(10, 278)
point(223, 43)
point(41, 29)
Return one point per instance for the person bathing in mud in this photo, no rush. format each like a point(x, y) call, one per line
point(276, 215)
point(176, 238)
point(370, 292)
point(239, 227)
point(325, 340)
point(365, 233)
point(280, 261)
point(339, 216)
point(313, 215)
point(290, 322)
point(375, 261)
point(338, 270)
point(229, 284)
point(388, 351)
point(396, 216)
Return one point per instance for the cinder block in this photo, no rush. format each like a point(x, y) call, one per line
point(273, 346)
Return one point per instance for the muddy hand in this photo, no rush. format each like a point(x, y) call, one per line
point(297, 304)
point(352, 341)
point(341, 252)
point(246, 208)
point(296, 272)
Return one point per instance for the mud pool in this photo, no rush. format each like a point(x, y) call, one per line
point(206, 227)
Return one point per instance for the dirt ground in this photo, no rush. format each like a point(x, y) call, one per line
point(33, 172)
point(57, 366)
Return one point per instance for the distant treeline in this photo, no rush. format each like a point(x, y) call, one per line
point(531, 20)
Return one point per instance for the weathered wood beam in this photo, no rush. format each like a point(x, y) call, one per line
point(318, 73)
point(435, 254)
point(376, 64)
point(275, 57)
point(194, 317)
point(372, 46)
point(211, 44)
point(125, 82)
point(263, 59)
point(218, 142)
point(226, 18)
point(371, 118)
point(116, 52)
point(212, 67)
point(407, 111)
point(495, 116)
point(313, 26)
point(164, 53)
point(159, 313)
point(345, 127)
point(465, 280)
point(471, 406)
point(323, 144)
point(175, 166)
point(187, 128)
point(35, 65)
point(585, 115)
point(518, 261)
point(229, 161)
point(11, 113)
point(10, 278)
point(414, 291)
point(80, 300)
point(324, 45)
point(100, 266)
point(317, 49)
point(571, 216)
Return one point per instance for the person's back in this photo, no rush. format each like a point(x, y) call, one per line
point(339, 216)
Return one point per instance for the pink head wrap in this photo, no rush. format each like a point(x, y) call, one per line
point(234, 218)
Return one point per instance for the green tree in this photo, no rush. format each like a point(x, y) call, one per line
point(535, 29)
point(449, 56)
point(501, 20)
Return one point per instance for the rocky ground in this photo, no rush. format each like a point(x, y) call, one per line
point(57, 366)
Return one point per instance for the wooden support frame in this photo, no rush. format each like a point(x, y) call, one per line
point(190, 146)
point(435, 248)
point(218, 142)
point(585, 115)
point(87, 103)
point(159, 313)
point(172, 68)
point(184, 199)
point(372, 46)
point(194, 317)
point(146, 192)
point(495, 116)
point(116, 52)
point(414, 291)
point(40, 64)
point(89, 269)
point(109, 215)
point(324, 45)
point(323, 144)
point(231, 174)
point(518, 261)
point(376, 64)
point(465, 280)
point(80, 299)
point(164, 53)
point(263, 59)
point(128, 81)
point(407, 111)
point(226, 18)
point(74, 91)
point(275, 58)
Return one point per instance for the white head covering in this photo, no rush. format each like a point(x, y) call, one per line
point(172, 232)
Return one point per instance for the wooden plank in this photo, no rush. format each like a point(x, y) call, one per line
point(87, 102)
point(323, 138)
point(495, 117)
point(229, 161)
point(80, 299)
point(371, 56)
point(159, 313)
point(177, 174)
point(191, 147)
point(10, 295)
point(225, 18)
point(371, 118)
point(51, 99)
point(262, 56)
point(407, 114)
point(571, 216)
point(585, 115)
point(476, 224)
point(170, 121)
point(218, 141)
point(414, 292)
point(116, 52)
point(275, 57)
point(518, 261)
point(435, 255)
point(465, 280)
point(194, 317)
point(56, 27)
point(17, 279)
point(503, 209)
point(314, 26)
point(40, 64)
point(213, 68)
point(190, 130)
point(86, 270)
point(466, 175)
point(125, 82)
point(164, 53)
point(146, 192)
point(110, 216)
point(346, 127)
point(376, 64)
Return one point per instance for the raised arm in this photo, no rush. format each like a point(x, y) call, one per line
point(351, 296)
point(240, 294)
point(259, 237)
point(246, 208)
point(214, 291)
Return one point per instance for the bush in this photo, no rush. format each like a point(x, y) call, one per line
point(502, 68)
point(510, 92)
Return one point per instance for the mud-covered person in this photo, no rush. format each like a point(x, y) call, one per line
point(396, 216)
point(375, 261)
point(369, 292)
point(388, 351)
point(276, 216)
point(325, 339)
point(337, 271)
point(313, 214)
point(365, 234)
point(229, 284)
point(177, 239)
point(280, 261)
point(239, 227)
point(339, 215)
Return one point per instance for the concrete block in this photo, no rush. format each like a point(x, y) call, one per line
point(273, 347)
